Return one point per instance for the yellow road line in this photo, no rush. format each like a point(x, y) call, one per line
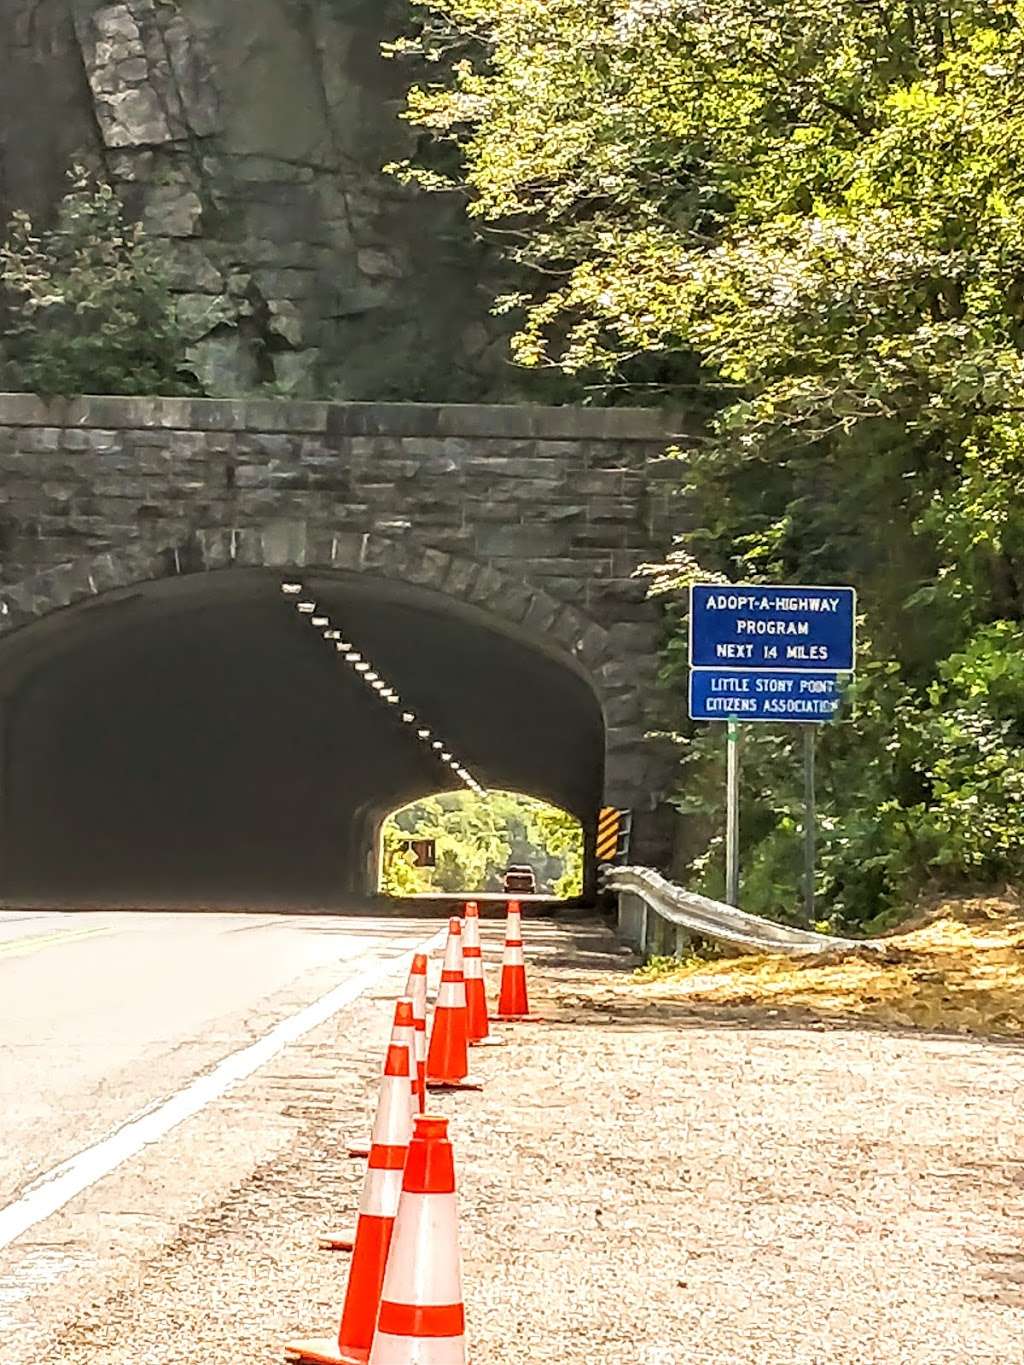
point(20, 947)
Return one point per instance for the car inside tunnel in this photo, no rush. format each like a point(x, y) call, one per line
point(193, 742)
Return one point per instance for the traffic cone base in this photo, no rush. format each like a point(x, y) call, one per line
point(467, 1083)
point(492, 1040)
point(321, 1351)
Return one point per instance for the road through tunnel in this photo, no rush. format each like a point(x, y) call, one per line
point(193, 741)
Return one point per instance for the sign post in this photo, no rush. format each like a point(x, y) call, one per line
point(732, 813)
point(810, 820)
point(768, 653)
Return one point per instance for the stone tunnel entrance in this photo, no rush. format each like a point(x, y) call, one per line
point(191, 742)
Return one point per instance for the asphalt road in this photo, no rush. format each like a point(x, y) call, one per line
point(108, 1017)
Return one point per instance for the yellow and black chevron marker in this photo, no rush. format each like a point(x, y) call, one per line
point(612, 824)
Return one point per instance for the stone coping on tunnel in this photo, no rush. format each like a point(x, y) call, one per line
point(301, 417)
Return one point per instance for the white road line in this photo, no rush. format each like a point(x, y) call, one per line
point(52, 1190)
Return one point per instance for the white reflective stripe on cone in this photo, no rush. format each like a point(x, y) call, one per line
point(514, 928)
point(407, 1038)
point(470, 932)
point(380, 1193)
point(473, 969)
point(418, 1350)
point(419, 1013)
point(514, 957)
point(414, 1098)
point(453, 953)
point(451, 995)
point(424, 1266)
point(392, 1125)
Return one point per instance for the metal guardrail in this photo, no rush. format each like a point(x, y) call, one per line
point(656, 916)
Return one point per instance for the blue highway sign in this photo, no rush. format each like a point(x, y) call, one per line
point(776, 628)
point(739, 694)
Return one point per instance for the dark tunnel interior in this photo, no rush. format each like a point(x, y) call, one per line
point(195, 742)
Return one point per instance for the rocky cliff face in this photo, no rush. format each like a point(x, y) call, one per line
point(249, 136)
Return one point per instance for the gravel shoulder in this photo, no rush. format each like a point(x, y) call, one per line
point(641, 1180)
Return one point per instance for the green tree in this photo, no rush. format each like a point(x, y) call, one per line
point(560, 836)
point(400, 875)
point(475, 840)
point(814, 211)
point(86, 304)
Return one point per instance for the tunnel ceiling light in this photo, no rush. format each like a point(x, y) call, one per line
point(380, 685)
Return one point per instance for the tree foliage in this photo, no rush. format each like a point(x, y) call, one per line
point(816, 209)
point(475, 840)
point(86, 304)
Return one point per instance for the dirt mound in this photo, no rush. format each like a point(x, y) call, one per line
point(957, 965)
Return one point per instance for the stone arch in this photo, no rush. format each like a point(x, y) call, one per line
point(525, 609)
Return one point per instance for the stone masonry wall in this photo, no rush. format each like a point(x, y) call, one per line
point(540, 516)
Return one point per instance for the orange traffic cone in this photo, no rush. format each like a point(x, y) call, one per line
point(377, 1209)
point(422, 1320)
point(478, 1024)
point(512, 1002)
point(448, 1057)
point(416, 988)
point(402, 1033)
